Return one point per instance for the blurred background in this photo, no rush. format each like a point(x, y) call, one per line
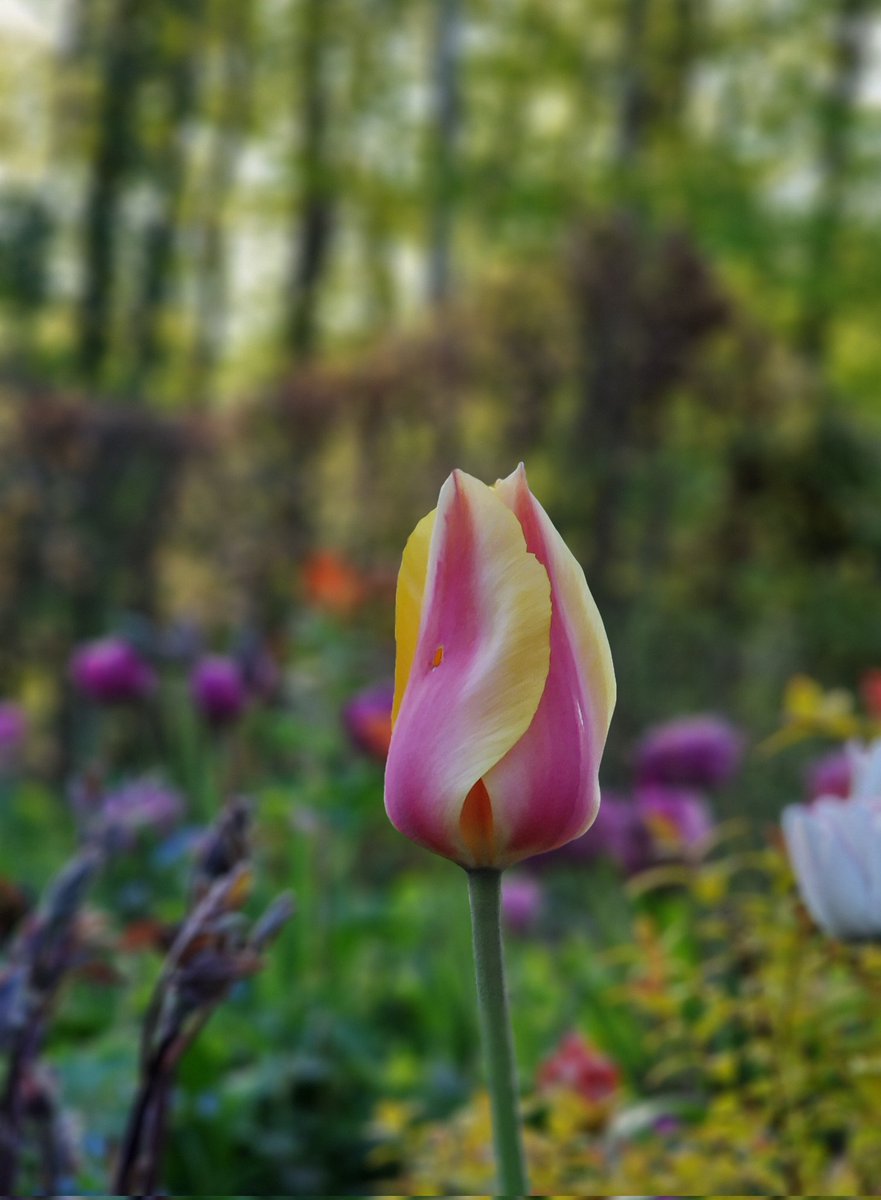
point(269, 270)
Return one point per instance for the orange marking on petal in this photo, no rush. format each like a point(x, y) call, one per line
point(476, 825)
point(438, 657)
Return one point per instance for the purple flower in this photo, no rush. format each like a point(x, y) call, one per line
point(522, 901)
point(368, 719)
point(618, 834)
point(13, 731)
point(831, 775)
point(700, 751)
point(218, 689)
point(678, 821)
point(110, 671)
point(145, 803)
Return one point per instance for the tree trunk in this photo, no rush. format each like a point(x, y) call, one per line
point(447, 120)
point(633, 109)
point(850, 43)
point(315, 216)
point(111, 161)
point(232, 123)
point(682, 54)
point(160, 236)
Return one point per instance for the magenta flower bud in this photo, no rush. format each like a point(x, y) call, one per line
point(218, 689)
point(831, 775)
point(678, 821)
point(522, 902)
point(110, 671)
point(699, 752)
point(504, 686)
point(13, 732)
point(618, 834)
point(368, 720)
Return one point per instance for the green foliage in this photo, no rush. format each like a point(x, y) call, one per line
point(756, 1048)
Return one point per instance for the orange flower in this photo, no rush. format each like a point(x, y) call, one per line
point(333, 584)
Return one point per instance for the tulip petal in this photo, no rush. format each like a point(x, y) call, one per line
point(833, 847)
point(408, 603)
point(549, 779)
point(476, 677)
point(796, 825)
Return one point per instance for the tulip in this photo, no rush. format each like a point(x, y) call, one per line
point(504, 690)
point(870, 691)
point(333, 584)
point(218, 689)
point(111, 671)
point(700, 751)
point(576, 1066)
point(504, 686)
point(618, 835)
point(368, 720)
point(679, 822)
point(831, 775)
point(835, 850)
point(865, 765)
point(522, 902)
point(13, 732)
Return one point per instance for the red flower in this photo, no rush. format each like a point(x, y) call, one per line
point(576, 1066)
point(870, 690)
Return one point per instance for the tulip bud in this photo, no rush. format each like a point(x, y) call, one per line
point(698, 751)
point(618, 834)
point(679, 821)
point(218, 689)
point(578, 1067)
point(504, 686)
point(13, 732)
point(368, 720)
point(831, 775)
point(110, 671)
point(522, 902)
point(835, 850)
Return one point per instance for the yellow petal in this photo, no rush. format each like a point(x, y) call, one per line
point(578, 607)
point(408, 603)
point(474, 682)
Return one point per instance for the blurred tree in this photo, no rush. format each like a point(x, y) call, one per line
point(113, 155)
point(232, 121)
point(635, 99)
point(446, 120)
point(26, 228)
point(317, 199)
point(176, 54)
point(851, 26)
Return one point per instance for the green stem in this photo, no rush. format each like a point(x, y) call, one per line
point(484, 888)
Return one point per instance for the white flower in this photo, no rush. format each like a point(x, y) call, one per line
point(835, 850)
point(865, 762)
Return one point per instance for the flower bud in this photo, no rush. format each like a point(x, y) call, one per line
point(700, 752)
point(504, 686)
point(218, 689)
point(110, 671)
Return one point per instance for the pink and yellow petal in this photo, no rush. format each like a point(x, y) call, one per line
point(408, 603)
point(546, 787)
point(476, 676)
